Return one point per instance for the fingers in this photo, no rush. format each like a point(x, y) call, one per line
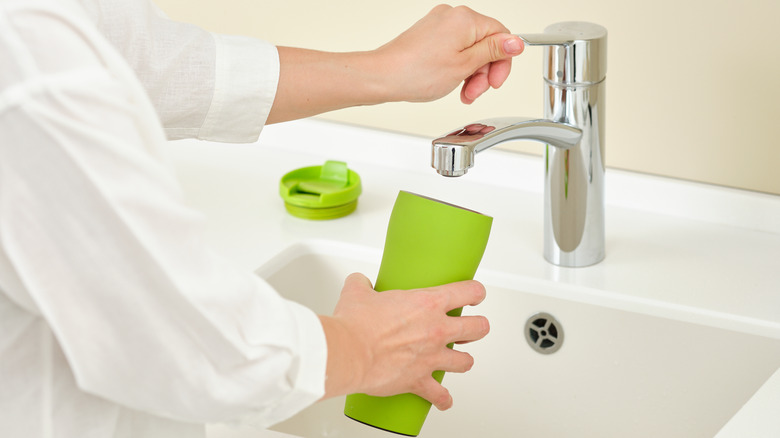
point(512, 45)
point(462, 329)
point(475, 85)
point(462, 293)
point(495, 47)
point(432, 391)
point(498, 72)
point(454, 361)
point(466, 329)
point(491, 57)
point(494, 65)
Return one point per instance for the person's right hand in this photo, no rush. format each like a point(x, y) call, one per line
point(391, 342)
point(447, 47)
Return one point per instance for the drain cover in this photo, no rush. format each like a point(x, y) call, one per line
point(544, 333)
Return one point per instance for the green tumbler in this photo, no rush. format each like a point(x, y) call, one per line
point(428, 243)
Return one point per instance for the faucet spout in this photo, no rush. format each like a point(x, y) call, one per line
point(453, 154)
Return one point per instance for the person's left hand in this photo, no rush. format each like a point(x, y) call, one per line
point(390, 343)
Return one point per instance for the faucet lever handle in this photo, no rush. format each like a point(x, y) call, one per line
point(546, 39)
point(575, 52)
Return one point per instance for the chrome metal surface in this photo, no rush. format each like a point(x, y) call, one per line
point(575, 57)
point(574, 53)
point(453, 154)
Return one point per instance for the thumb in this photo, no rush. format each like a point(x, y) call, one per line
point(357, 283)
point(495, 48)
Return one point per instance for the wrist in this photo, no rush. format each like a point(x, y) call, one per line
point(347, 358)
point(371, 77)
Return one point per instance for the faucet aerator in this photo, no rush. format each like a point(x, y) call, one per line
point(452, 173)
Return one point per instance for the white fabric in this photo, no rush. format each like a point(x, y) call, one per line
point(116, 320)
point(198, 91)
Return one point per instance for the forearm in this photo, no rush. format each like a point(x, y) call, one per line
point(313, 82)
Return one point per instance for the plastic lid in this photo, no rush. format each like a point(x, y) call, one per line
point(322, 192)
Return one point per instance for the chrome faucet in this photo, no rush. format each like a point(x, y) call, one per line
point(575, 64)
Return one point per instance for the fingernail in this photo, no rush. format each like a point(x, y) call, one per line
point(513, 46)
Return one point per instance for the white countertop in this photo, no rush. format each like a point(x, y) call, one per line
point(700, 253)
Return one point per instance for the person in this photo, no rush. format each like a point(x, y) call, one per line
point(116, 318)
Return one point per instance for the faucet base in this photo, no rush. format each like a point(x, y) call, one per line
point(572, 260)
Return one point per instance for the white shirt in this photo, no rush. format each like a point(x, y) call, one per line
point(116, 319)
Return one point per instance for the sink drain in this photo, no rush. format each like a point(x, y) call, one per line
point(544, 333)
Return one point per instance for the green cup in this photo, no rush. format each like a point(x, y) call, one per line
point(428, 243)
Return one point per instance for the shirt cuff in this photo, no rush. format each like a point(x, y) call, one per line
point(306, 377)
point(309, 381)
point(246, 77)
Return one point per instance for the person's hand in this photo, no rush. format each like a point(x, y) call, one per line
point(391, 342)
point(446, 47)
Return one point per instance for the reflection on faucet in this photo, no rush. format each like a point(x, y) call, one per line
point(575, 72)
point(471, 132)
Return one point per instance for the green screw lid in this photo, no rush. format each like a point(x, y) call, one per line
point(322, 192)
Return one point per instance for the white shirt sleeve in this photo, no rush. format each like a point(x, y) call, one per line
point(94, 229)
point(203, 85)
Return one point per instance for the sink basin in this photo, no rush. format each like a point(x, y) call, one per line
point(616, 372)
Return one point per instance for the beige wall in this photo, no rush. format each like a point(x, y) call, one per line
point(692, 85)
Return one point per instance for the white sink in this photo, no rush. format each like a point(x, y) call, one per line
point(669, 336)
point(618, 373)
